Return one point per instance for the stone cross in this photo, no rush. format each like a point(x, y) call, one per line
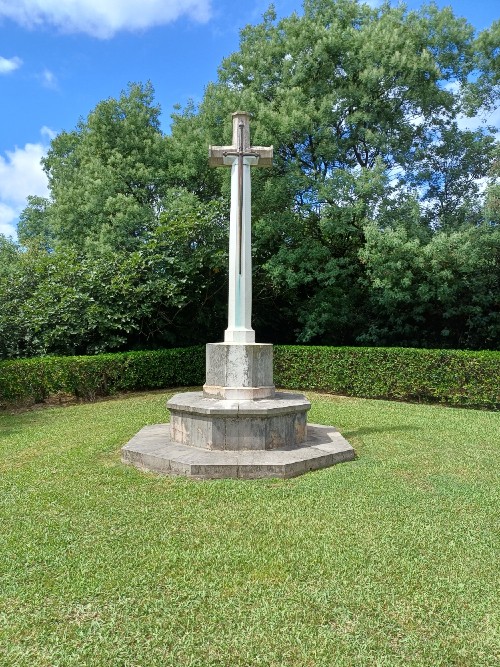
point(240, 157)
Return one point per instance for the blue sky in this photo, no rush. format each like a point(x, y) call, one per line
point(59, 58)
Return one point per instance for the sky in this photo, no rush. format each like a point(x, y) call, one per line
point(59, 58)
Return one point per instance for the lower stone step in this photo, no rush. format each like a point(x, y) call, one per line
point(152, 449)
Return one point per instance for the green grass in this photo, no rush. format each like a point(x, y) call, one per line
point(390, 560)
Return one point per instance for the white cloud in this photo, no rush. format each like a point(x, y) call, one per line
point(47, 132)
point(21, 175)
point(8, 217)
point(8, 65)
point(103, 18)
point(48, 79)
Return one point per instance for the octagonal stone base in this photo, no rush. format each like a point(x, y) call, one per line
point(212, 423)
point(153, 449)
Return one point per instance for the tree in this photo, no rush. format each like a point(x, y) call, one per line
point(170, 290)
point(361, 106)
point(484, 89)
point(375, 224)
point(34, 224)
point(450, 173)
point(106, 177)
point(8, 255)
point(439, 291)
point(492, 207)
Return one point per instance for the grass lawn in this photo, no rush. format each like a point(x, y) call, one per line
point(390, 560)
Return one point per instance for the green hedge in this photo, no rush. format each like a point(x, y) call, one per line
point(469, 379)
point(33, 380)
point(454, 377)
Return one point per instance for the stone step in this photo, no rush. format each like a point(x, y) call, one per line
point(153, 450)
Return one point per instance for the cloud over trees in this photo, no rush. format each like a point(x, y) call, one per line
point(102, 18)
point(21, 174)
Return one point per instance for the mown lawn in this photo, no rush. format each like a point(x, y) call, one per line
point(390, 560)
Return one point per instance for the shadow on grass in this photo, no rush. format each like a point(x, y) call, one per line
point(12, 424)
point(6, 432)
point(368, 430)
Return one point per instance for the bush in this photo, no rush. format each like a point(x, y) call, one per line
point(33, 380)
point(469, 379)
point(454, 377)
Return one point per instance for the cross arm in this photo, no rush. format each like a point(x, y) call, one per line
point(217, 157)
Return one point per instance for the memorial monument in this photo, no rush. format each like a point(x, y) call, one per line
point(239, 426)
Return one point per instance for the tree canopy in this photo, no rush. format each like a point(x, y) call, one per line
point(379, 223)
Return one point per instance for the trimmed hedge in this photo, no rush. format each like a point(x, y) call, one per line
point(33, 380)
point(469, 379)
point(454, 377)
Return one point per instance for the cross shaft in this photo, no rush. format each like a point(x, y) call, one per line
point(240, 156)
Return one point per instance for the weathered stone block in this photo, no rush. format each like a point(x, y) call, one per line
point(239, 371)
point(215, 424)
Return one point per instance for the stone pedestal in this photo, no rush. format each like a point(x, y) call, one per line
point(153, 450)
point(239, 426)
point(239, 371)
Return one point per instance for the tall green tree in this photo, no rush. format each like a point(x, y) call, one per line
point(361, 106)
point(438, 291)
point(492, 206)
point(377, 224)
point(451, 172)
point(106, 177)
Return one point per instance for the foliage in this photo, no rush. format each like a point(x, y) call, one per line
point(365, 563)
point(168, 291)
point(8, 255)
point(446, 376)
point(362, 107)
point(454, 377)
point(492, 208)
point(377, 225)
point(449, 172)
point(33, 380)
point(106, 177)
point(443, 289)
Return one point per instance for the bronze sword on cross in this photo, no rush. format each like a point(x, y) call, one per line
point(240, 154)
